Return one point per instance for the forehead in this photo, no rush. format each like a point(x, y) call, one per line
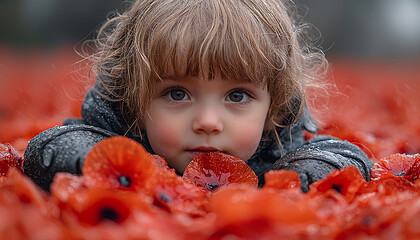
point(169, 72)
point(199, 82)
point(232, 43)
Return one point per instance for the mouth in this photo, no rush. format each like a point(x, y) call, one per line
point(200, 150)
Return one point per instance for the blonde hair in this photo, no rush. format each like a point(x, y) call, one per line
point(253, 40)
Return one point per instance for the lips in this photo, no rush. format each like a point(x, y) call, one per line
point(200, 150)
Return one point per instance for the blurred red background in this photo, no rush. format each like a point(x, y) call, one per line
point(38, 91)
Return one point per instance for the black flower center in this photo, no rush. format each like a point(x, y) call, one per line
point(110, 214)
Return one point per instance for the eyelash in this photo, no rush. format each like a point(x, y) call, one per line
point(239, 89)
point(242, 90)
point(174, 88)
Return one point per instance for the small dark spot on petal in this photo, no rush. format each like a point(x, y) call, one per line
point(336, 187)
point(368, 220)
point(161, 200)
point(212, 186)
point(164, 197)
point(125, 181)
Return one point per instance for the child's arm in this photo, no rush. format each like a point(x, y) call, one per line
point(322, 155)
point(63, 149)
point(60, 149)
point(313, 159)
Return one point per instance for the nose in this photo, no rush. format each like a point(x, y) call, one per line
point(207, 121)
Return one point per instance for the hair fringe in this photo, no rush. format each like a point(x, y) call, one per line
point(263, 41)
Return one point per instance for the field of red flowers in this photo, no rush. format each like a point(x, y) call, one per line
point(126, 193)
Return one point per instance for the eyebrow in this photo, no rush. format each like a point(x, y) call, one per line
point(173, 77)
point(188, 78)
point(170, 79)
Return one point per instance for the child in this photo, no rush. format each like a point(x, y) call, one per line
point(184, 77)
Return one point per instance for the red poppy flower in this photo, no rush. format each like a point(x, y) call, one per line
point(98, 205)
point(282, 179)
point(399, 165)
point(388, 186)
point(175, 195)
point(65, 185)
point(373, 221)
point(119, 163)
point(214, 169)
point(345, 182)
point(236, 203)
point(249, 213)
point(9, 158)
point(160, 161)
point(28, 220)
point(26, 211)
point(26, 191)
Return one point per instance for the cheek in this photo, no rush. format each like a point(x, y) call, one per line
point(247, 139)
point(163, 136)
point(247, 131)
point(250, 137)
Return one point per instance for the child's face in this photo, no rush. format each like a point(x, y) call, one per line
point(190, 116)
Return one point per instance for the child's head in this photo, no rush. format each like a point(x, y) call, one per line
point(247, 41)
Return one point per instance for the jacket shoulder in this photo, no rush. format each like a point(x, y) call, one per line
point(60, 149)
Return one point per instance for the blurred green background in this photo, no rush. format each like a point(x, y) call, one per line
point(356, 28)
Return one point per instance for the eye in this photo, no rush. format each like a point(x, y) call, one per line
point(177, 94)
point(237, 95)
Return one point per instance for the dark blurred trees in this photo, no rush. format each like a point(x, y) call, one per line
point(376, 28)
point(52, 22)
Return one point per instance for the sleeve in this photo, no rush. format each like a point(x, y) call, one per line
point(60, 149)
point(321, 155)
point(291, 137)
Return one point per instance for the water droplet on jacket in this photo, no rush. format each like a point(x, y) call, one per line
point(47, 157)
